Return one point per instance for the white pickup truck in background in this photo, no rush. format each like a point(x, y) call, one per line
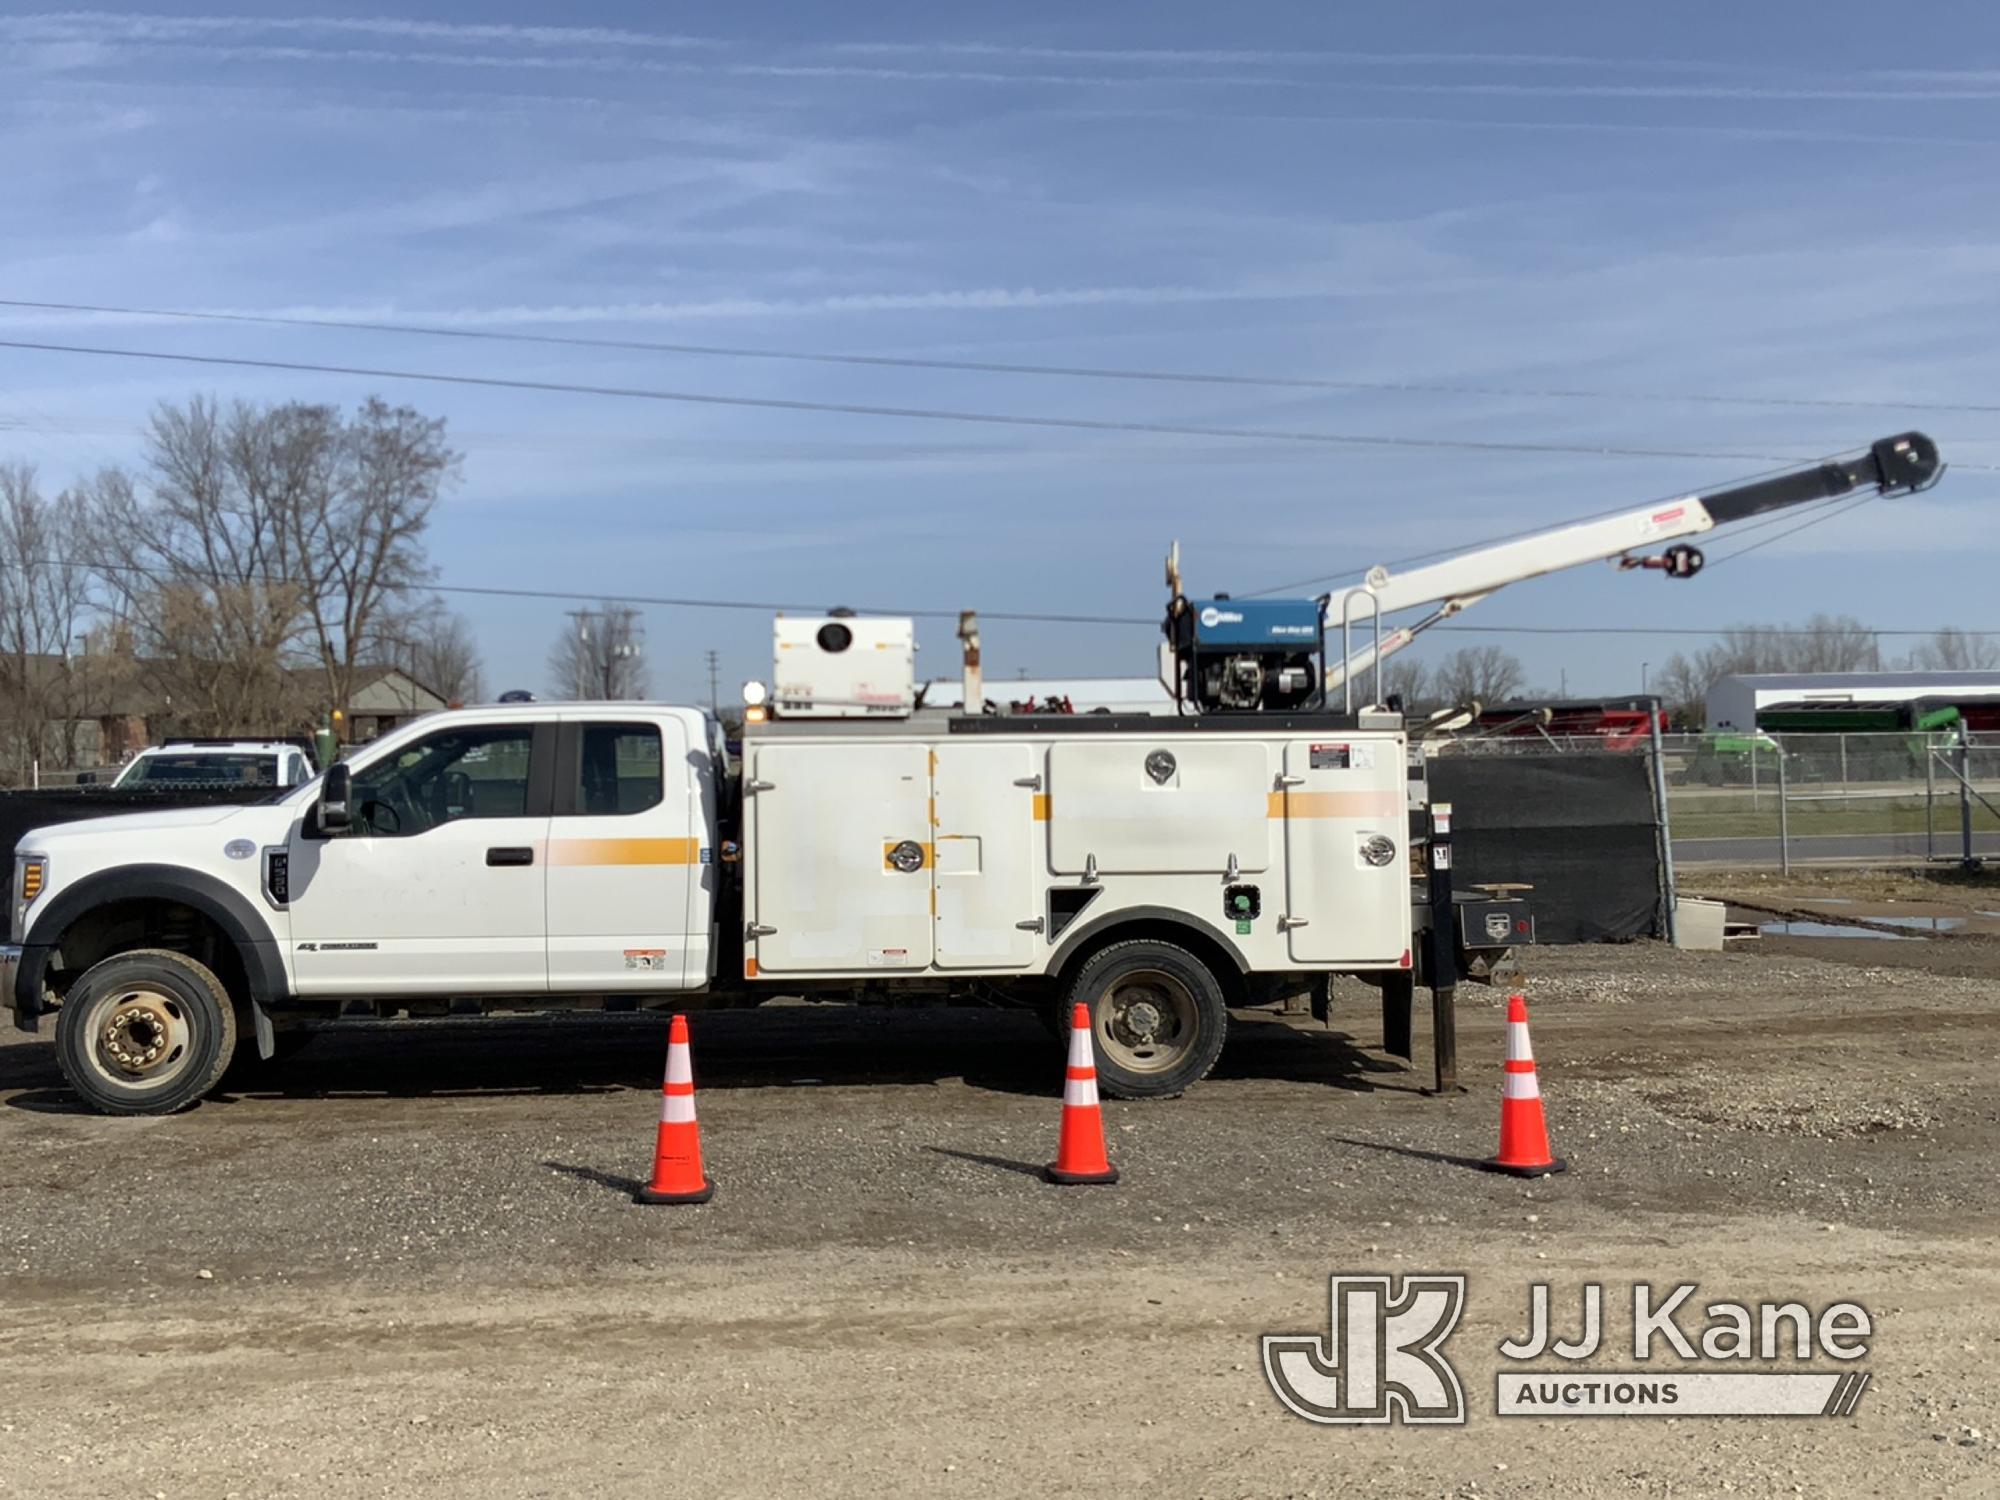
point(215, 763)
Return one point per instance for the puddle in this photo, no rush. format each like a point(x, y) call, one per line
point(1922, 924)
point(1830, 930)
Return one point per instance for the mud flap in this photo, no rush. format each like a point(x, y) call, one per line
point(1399, 991)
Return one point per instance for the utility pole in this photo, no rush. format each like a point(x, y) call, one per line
point(714, 682)
point(617, 640)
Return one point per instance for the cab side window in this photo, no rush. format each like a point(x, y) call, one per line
point(619, 769)
point(471, 772)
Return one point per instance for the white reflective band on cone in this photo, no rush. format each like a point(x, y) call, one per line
point(677, 1109)
point(1079, 1048)
point(680, 1068)
point(1519, 1086)
point(1518, 1049)
point(1080, 1093)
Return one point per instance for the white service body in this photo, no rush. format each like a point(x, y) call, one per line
point(1005, 819)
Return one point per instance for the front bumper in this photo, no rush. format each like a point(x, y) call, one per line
point(10, 973)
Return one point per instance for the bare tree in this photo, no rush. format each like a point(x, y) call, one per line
point(265, 540)
point(601, 655)
point(1825, 643)
point(1831, 643)
point(1683, 684)
point(1405, 677)
point(1955, 650)
point(1481, 674)
point(45, 598)
point(363, 499)
point(435, 647)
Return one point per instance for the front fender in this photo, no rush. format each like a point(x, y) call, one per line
point(240, 921)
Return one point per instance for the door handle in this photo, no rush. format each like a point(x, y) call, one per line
point(510, 856)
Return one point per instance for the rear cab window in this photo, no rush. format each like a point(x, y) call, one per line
point(198, 768)
point(620, 770)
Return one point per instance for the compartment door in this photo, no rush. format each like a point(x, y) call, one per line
point(827, 897)
point(985, 841)
point(1338, 794)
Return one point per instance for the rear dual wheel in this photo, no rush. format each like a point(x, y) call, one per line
point(145, 1033)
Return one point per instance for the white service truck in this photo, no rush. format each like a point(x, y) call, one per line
point(541, 855)
point(1157, 870)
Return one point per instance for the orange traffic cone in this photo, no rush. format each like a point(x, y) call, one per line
point(677, 1173)
point(1524, 1133)
point(1080, 1152)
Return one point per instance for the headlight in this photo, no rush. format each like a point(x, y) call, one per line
point(1378, 849)
point(31, 878)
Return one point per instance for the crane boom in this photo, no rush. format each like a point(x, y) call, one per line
point(1895, 464)
point(1265, 654)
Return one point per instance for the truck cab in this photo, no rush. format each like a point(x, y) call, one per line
point(510, 852)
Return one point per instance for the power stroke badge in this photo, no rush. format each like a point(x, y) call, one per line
point(1382, 1359)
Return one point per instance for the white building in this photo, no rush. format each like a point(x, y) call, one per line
point(1734, 703)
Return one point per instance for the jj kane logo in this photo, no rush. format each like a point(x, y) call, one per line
point(1382, 1359)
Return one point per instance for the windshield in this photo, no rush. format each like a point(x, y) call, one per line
point(195, 768)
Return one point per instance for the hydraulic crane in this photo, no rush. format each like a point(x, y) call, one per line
point(1260, 655)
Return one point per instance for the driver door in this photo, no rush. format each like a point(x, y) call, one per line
point(439, 886)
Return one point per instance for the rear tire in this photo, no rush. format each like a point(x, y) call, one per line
point(145, 1033)
point(1158, 1017)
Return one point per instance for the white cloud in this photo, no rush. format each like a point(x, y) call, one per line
point(141, 26)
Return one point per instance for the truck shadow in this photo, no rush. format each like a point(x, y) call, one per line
point(799, 1047)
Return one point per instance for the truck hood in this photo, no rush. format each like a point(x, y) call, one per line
point(123, 825)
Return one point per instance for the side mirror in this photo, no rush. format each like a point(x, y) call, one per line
point(336, 815)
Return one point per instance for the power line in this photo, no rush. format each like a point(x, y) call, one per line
point(995, 367)
point(1823, 516)
point(497, 591)
point(919, 413)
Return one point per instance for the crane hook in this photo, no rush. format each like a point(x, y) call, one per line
point(1678, 561)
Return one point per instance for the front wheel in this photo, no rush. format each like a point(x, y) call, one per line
point(1158, 1017)
point(145, 1033)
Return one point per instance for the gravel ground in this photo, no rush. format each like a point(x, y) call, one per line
point(405, 1262)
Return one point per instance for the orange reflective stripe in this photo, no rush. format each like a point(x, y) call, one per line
point(624, 851)
point(1334, 804)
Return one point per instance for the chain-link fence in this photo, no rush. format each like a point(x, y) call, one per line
point(1857, 798)
point(1779, 798)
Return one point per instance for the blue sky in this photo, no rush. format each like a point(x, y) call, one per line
point(1780, 201)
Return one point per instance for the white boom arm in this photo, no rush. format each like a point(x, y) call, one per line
point(1899, 464)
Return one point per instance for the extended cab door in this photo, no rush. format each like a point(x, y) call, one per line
point(438, 886)
point(628, 857)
